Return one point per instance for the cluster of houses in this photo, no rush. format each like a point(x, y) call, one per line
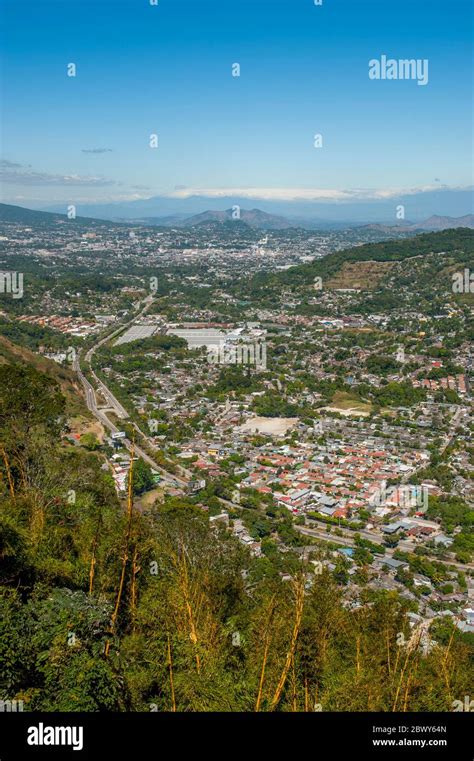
point(453, 382)
point(120, 466)
point(334, 479)
point(73, 326)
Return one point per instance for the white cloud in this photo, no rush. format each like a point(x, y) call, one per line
point(43, 178)
point(13, 173)
point(307, 194)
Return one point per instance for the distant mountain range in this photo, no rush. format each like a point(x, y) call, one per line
point(445, 223)
point(261, 220)
point(312, 214)
point(254, 218)
point(431, 224)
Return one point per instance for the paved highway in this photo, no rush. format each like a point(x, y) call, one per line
point(349, 541)
point(115, 405)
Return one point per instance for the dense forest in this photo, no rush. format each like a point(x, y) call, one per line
point(105, 607)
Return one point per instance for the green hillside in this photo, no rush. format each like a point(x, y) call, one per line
point(11, 353)
point(456, 245)
point(22, 216)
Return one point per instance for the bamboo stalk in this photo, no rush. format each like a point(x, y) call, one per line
point(37, 521)
point(9, 473)
point(395, 669)
point(189, 608)
point(92, 571)
point(262, 674)
point(449, 647)
point(358, 654)
point(128, 533)
point(93, 558)
point(293, 684)
point(265, 654)
point(21, 467)
point(316, 701)
point(413, 648)
point(170, 666)
point(290, 654)
point(405, 700)
point(133, 591)
point(444, 665)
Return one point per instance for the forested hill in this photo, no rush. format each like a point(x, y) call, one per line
point(456, 245)
point(23, 216)
point(12, 353)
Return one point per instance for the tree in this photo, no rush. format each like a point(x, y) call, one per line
point(142, 477)
point(89, 441)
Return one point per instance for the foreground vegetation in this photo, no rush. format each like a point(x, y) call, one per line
point(107, 608)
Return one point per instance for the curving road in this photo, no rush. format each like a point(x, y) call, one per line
point(114, 404)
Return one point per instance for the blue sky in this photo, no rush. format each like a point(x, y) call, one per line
point(166, 69)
